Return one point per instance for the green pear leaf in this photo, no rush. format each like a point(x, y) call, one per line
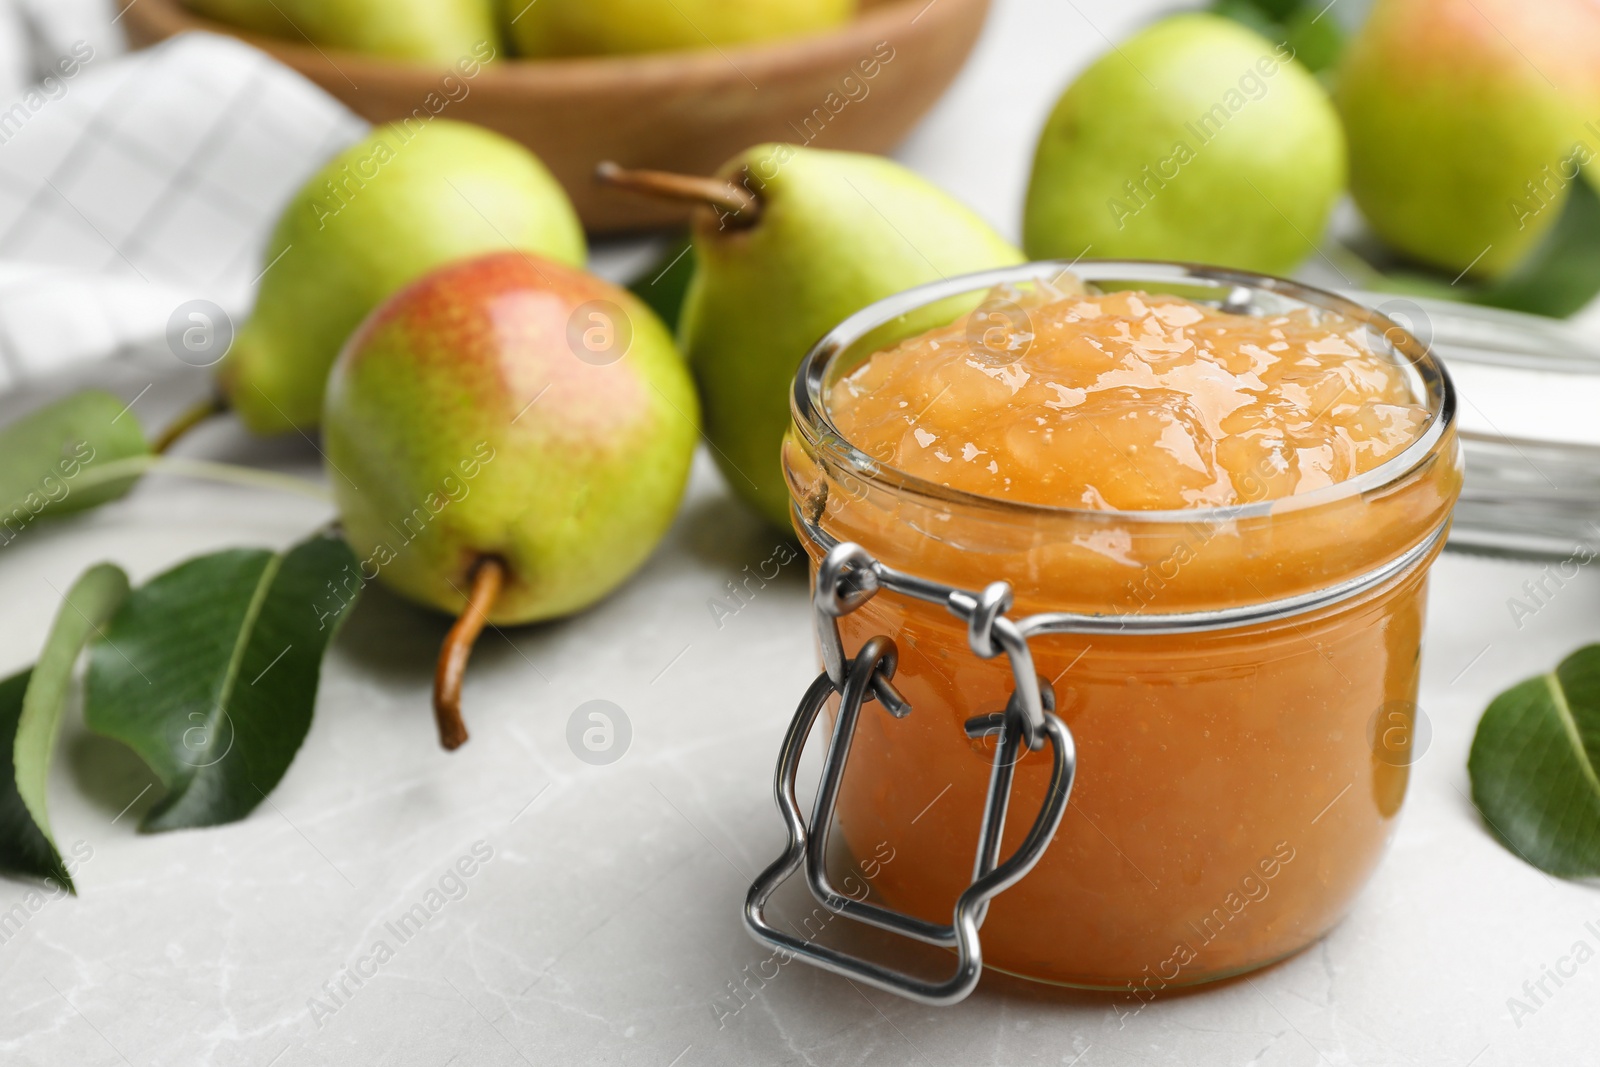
point(665, 282)
point(209, 672)
point(1559, 278)
point(47, 456)
point(30, 718)
point(1563, 274)
point(1534, 767)
point(24, 848)
point(1318, 42)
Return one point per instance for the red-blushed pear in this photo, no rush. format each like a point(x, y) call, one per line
point(1467, 120)
point(508, 438)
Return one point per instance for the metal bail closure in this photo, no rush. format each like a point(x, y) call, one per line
point(847, 578)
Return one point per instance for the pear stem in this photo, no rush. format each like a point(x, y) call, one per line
point(488, 578)
point(205, 409)
point(723, 195)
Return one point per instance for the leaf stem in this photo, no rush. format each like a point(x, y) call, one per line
point(205, 470)
point(488, 578)
point(214, 404)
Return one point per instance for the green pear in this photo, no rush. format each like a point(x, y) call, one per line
point(1195, 140)
point(832, 232)
point(508, 438)
point(1467, 123)
point(606, 27)
point(408, 198)
point(437, 32)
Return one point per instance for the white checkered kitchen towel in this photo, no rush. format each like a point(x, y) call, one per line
point(133, 183)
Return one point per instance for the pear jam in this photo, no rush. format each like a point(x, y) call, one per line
point(1134, 453)
point(1131, 401)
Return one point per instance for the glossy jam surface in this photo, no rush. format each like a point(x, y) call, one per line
point(1235, 788)
point(1131, 401)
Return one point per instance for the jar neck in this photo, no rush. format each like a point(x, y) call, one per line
point(1121, 562)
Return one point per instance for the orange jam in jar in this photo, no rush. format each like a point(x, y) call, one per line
point(1137, 442)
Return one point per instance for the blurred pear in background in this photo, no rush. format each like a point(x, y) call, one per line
point(608, 27)
point(1195, 140)
point(442, 32)
point(1468, 122)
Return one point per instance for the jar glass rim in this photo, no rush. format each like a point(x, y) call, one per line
point(809, 398)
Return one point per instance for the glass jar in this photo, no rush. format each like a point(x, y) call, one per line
point(1236, 783)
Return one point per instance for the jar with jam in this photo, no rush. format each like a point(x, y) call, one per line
point(1120, 581)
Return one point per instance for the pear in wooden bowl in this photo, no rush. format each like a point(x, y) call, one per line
point(861, 87)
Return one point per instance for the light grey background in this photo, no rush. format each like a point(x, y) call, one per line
point(605, 928)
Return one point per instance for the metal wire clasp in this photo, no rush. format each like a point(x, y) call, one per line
point(847, 578)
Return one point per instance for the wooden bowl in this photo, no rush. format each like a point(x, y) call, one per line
point(681, 111)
